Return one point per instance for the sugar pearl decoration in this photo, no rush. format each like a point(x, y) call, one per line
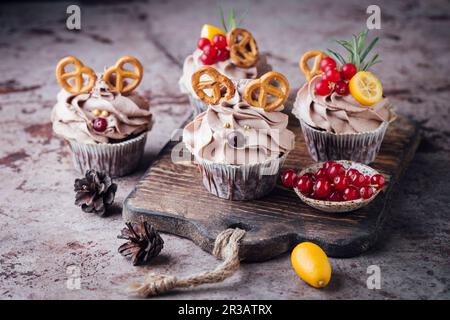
point(96, 112)
point(105, 113)
point(247, 127)
point(226, 125)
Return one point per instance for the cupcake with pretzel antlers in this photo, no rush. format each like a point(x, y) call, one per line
point(232, 51)
point(241, 141)
point(101, 116)
point(341, 107)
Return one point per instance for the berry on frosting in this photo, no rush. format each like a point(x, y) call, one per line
point(213, 43)
point(324, 87)
point(220, 41)
point(326, 63)
point(202, 42)
point(100, 124)
point(223, 54)
point(348, 70)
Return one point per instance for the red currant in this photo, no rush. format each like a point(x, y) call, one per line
point(210, 51)
point(341, 88)
point(332, 75)
point(348, 70)
point(357, 179)
point(327, 62)
point(223, 54)
point(322, 188)
point(328, 164)
point(321, 173)
point(366, 192)
point(202, 42)
point(219, 41)
point(335, 170)
point(378, 181)
point(100, 124)
point(340, 182)
point(351, 172)
point(324, 87)
point(335, 196)
point(287, 178)
point(305, 184)
point(367, 182)
point(350, 193)
point(206, 59)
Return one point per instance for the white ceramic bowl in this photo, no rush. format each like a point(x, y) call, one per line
point(342, 206)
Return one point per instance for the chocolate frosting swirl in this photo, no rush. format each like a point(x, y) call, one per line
point(340, 114)
point(192, 63)
point(236, 133)
point(73, 117)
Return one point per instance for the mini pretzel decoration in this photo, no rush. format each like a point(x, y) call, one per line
point(266, 88)
point(80, 69)
point(243, 48)
point(115, 76)
point(310, 73)
point(222, 88)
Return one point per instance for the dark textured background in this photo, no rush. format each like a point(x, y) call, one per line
point(43, 232)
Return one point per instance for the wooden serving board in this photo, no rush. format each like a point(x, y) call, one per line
point(172, 198)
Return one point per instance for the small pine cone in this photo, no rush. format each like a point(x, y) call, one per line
point(144, 242)
point(95, 192)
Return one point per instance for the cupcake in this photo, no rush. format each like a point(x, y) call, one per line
point(232, 51)
point(241, 141)
point(342, 111)
point(103, 120)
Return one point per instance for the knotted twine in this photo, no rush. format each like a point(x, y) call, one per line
point(226, 247)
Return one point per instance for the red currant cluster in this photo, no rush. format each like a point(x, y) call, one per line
point(333, 183)
point(215, 51)
point(334, 79)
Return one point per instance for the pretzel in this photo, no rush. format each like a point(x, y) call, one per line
point(303, 63)
point(243, 48)
point(115, 76)
point(80, 69)
point(217, 83)
point(266, 88)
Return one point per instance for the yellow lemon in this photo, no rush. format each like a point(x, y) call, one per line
point(209, 31)
point(311, 264)
point(365, 88)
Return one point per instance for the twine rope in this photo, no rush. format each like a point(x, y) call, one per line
point(226, 247)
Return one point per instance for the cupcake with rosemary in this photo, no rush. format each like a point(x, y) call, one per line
point(232, 51)
point(341, 107)
point(103, 119)
point(241, 141)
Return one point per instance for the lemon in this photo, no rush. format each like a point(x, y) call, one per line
point(311, 264)
point(209, 31)
point(365, 88)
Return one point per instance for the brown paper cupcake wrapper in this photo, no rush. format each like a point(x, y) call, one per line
point(244, 182)
point(116, 159)
point(359, 147)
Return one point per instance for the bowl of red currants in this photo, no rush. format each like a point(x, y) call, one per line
point(335, 186)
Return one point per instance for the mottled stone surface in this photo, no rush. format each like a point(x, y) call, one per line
point(43, 232)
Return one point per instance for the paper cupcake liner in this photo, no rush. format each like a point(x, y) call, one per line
point(240, 182)
point(198, 105)
point(359, 147)
point(116, 159)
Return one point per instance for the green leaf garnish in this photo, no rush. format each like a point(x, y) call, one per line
point(357, 51)
point(232, 21)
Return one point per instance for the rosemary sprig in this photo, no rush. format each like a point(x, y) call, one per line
point(232, 21)
point(357, 51)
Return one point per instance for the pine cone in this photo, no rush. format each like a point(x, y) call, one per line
point(95, 192)
point(144, 242)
